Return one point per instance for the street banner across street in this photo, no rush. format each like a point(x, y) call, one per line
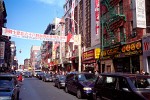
point(34, 36)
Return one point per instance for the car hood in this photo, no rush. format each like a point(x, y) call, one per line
point(62, 81)
point(6, 91)
point(87, 83)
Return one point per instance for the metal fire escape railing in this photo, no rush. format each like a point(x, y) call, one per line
point(107, 22)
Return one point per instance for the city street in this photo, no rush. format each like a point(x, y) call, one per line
point(35, 89)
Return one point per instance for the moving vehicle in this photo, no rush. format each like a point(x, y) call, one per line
point(35, 72)
point(119, 86)
point(9, 87)
point(27, 74)
point(80, 83)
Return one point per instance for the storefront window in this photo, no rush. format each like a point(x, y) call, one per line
point(127, 65)
point(135, 63)
point(122, 64)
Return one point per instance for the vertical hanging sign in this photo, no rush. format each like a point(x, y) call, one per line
point(72, 16)
point(139, 15)
point(2, 50)
point(97, 12)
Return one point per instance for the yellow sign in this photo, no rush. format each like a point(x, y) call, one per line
point(91, 54)
point(97, 53)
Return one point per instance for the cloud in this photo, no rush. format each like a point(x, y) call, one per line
point(59, 3)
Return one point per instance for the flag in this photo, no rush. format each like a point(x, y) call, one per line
point(69, 36)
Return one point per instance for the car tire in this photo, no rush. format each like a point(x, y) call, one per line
point(98, 98)
point(58, 86)
point(17, 96)
point(79, 94)
point(55, 85)
point(66, 89)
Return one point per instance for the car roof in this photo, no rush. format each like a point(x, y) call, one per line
point(7, 75)
point(75, 72)
point(85, 73)
point(124, 75)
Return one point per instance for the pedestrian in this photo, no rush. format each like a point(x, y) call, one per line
point(20, 77)
point(142, 72)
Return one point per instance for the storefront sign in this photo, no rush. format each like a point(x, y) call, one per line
point(110, 52)
point(97, 53)
point(88, 55)
point(91, 54)
point(134, 48)
point(146, 46)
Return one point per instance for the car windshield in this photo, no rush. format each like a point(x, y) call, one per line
point(62, 77)
point(28, 73)
point(141, 82)
point(86, 77)
point(6, 82)
point(48, 75)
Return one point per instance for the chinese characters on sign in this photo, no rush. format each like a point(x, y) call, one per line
point(34, 36)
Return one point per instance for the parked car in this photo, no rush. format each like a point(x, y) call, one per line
point(80, 83)
point(36, 71)
point(9, 87)
point(119, 86)
point(39, 75)
point(60, 81)
point(54, 77)
point(47, 77)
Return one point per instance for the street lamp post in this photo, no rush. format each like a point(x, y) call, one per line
point(79, 44)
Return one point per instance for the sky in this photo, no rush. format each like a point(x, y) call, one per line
point(31, 16)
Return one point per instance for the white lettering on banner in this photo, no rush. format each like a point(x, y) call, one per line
point(34, 36)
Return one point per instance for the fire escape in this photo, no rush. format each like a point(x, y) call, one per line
point(114, 20)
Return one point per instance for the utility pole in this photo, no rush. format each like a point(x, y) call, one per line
point(79, 42)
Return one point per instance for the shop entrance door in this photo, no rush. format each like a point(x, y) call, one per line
point(103, 68)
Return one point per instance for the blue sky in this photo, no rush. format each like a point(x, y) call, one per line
point(31, 16)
